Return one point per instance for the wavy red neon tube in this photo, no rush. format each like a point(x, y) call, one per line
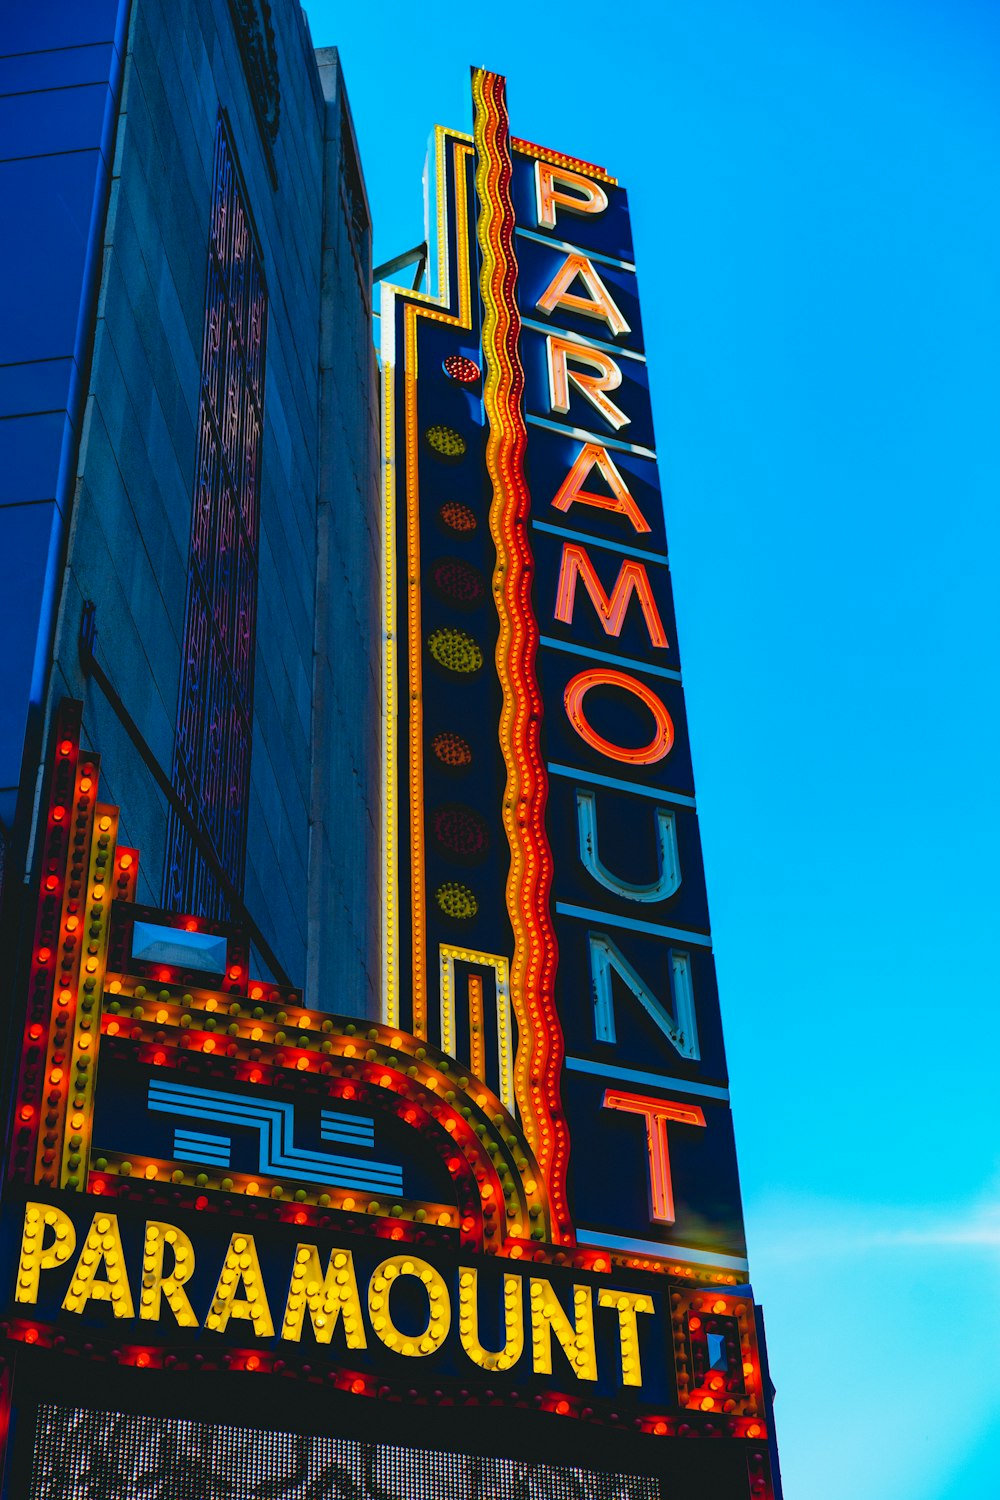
point(540, 1048)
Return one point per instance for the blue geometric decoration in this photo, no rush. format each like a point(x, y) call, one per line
point(274, 1123)
point(212, 1150)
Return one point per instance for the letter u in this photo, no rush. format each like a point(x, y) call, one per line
point(669, 877)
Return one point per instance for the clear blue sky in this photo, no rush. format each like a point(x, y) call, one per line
point(816, 201)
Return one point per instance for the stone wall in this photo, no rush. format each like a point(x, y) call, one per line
point(132, 514)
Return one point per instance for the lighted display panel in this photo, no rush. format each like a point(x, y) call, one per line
point(79, 1454)
point(500, 1227)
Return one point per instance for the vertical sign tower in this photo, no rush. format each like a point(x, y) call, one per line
point(547, 920)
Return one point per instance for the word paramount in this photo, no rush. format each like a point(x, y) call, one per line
point(406, 1304)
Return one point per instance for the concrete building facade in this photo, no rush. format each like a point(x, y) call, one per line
point(224, 576)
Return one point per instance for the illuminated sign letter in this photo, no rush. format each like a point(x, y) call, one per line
point(680, 1028)
point(656, 1113)
point(102, 1247)
point(586, 197)
point(438, 1306)
point(608, 377)
point(659, 889)
point(627, 1305)
point(36, 1256)
point(548, 1318)
point(598, 304)
point(468, 1322)
point(571, 492)
point(329, 1299)
point(612, 609)
point(646, 755)
point(155, 1285)
point(241, 1267)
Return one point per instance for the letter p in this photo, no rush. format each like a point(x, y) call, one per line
point(36, 1255)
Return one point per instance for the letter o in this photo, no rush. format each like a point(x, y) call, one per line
point(383, 1277)
point(576, 691)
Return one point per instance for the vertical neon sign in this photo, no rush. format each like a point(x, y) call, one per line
point(544, 869)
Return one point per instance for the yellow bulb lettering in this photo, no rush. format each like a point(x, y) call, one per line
point(241, 1271)
point(329, 1299)
point(36, 1255)
point(102, 1250)
point(576, 1338)
point(155, 1285)
point(627, 1305)
point(468, 1322)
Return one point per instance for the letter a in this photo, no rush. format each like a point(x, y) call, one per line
point(241, 1270)
point(571, 492)
point(599, 304)
point(102, 1250)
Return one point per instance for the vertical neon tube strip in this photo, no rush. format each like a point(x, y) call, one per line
point(540, 1046)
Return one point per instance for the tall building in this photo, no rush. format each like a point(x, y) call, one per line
point(190, 435)
point(368, 1124)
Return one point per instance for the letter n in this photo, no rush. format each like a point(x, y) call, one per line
point(680, 1027)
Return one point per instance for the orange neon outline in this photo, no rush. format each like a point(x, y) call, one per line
point(417, 305)
point(571, 491)
point(577, 689)
point(656, 1113)
point(85, 1025)
point(611, 608)
point(477, 1040)
point(600, 304)
point(414, 1076)
point(500, 965)
point(540, 1048)
point(67, 973)
point(389, 998)
point(47, 934)
point(558, 352)
point(560, 159)
point(548, 196)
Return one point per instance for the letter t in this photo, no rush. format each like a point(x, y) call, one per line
point(656, 1113)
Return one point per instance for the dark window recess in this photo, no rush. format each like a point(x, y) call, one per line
point(211, 766)
point(258, 53)
point(355, 205)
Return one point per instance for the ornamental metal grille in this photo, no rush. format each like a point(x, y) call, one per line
point(212, 740)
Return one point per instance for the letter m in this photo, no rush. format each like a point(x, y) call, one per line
point(632, 579)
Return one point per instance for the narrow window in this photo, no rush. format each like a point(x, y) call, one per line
point(212, 740)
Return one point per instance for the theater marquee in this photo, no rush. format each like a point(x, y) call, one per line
point(514, 1200)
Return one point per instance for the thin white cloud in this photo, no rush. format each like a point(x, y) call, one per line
point(793, 1231)
point(985, 1232)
